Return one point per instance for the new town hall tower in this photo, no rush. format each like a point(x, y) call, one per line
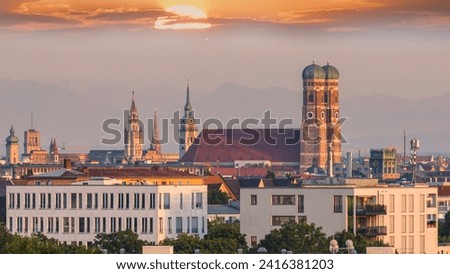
point(321, 137)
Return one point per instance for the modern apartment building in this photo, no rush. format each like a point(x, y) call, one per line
point(76, 213)
point(403, 216)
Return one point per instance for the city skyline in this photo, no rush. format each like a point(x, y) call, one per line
point(87, 51)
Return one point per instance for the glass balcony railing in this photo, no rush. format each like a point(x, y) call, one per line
point(370, 210)
point(372, 231)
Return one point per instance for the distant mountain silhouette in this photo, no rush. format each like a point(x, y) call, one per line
point(73, 112)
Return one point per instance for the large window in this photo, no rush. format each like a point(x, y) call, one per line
point(283, 199)
point(253, 199)
point(179, 225)
point(199, 200)
point(337, 205)
point(301, 203)
point(194, 224)
point(166, 200)
point(89, 201)
point(73, 200)
point(105, 200)
point(281, 220)
point(152, 200)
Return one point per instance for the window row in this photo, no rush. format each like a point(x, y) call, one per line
point(100, 200)
point(142, 225)
point(290, 200)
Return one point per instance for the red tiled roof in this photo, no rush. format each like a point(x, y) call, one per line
point(229, 145)
point(135, 172)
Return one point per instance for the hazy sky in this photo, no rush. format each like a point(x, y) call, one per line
point(400, 48)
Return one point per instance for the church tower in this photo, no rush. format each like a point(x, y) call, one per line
point(321, 143)
point(134, 135)
point(155, 144)
point(53, 152)
point(188, 128)
point(12, 147)
point(31, 140)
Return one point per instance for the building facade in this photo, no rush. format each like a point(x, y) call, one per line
point(402, 216)
point(12, 148)
point(383, 163)
point(321, 134)
point(31, 141)
point(76, 213)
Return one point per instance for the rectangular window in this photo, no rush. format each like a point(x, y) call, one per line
point(58, 201)
point(337, 204)
point(403, 202)
point(33, 201)
point(104, 200)
point(161, 225)
point(169, 225)
point(422, 202)
point(194, 224)
point(152, 200)
point(422, 244)
point(49, 200)
point(199, 200)
point(56, 224)
point(403, 245)
point(144, 225)
point(127, 200)
point(66, 225)
point(50, 225)
point(119, 224)
point(88, 225)
point(181, 200)
point(11, 201)
point(89, 201)
point(95, 200)
point(391, 224)
point(135, 225)
point(19, 225)
point(18, 200)
point(104, 224)
point(72, 224)
point(391, 203)
point(188, 225)
point(111, 200)
point(128, 223)
point(120, 201)
point(253, 240)
point(283, 199)
point(411, 202)
point(281, 220)
point(80, 200)
point(41, 224)
point(203, 224)
point(35, 225)
point(166, 200)
point(136, 202)
point(422, 223)
point(253, 199)
point(42, 199)
point(11, 224)
point(404, 224)
point(25, 228)
point(97, 225)
point(411, 224)
point(81, 225)
point(192, 200)
point(179, 225)
point(143, 200)
point(301, 203)
point(27, 200)
point(64, 200)
point(113, 224)
point(159, 201)
point(150, 220)
point(73, 200)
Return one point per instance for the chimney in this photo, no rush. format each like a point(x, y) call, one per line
point(67, 164)
point(349, 171)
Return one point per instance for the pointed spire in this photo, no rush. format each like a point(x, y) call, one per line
point(32, 120)
point(133, 105)
point(12, 131)
point(155, 137)
point(188, 105)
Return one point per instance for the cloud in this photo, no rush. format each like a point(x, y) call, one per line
point(126, 15)
point(17, 19)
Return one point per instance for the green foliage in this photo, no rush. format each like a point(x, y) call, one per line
point(300, 238)
point(222, 238)
point(113, 242)
point(217, 197)
point(444, 229)
point(270, 174)
point(359, 241)
point(5, 237)
point(2, 209)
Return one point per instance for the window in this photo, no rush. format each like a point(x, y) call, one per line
point(253, 199)
point(73, 200)
point(135, 225)
point(81, 225)
point(144, 225)
point(403, 203)
point(203, 224)
point(111, 200)
point(27, 200)
point(89, 201)
point(25, 229)
point(104, 224)
point(192, 201)
point(97, 225)
point(152, 200)
point(66, 224)
point(50, 225)
point(136, 202)
point(411, 224)
point(337, 205)
point(49, 200)
point(11, 200)
point(113, 224)
point(325, 97)
point(42, 199)
point(143, 200)
point(33, 201)
point(56, 224)
point(58, 201)
point(159, 201)
point(169, 225)
point(199, 200)
point(150, 224)
point(181, 200)
point(311, 98)
point(72, 224)
point(119, 222)
point(161, 225)
point(188, 225)
point(128, 226)
point(80, 200)
point(95, 200)
point(302, 219)
point(283, 199)
point(391, 224)
point(179, 225)
point(64, 200)
point(391, 203)
point(35, 225)
point(301, 203)
point(404, 224)
point(104, 200)
point(19, 224)
point(253, 240)
point(194, 224)
point(411, 202)
point(166, 200)
point(422, 202)
point(422, 223)
point(120, 201)
point(127, 200)
point(88, 225)
point(281, 220)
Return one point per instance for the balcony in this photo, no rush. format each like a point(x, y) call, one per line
point(373, 231)
point(371, 210)
point(431, 223)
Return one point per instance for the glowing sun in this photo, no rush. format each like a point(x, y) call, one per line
point(185, 17)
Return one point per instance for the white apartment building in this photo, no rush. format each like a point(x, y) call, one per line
point(402, 216)
point(76, 213)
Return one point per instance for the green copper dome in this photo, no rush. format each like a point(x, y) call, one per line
point(331, 72)
point(313, 72)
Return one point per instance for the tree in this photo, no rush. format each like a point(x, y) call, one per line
point(113, 242)
point(5, 237)
point(217, 197)
point(359, 241)
point(184, 244)
point(224, 238)
point(270, 174)
point(444, 229)
point(300, 238)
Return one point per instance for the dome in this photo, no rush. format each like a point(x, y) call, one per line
point(12, 139)
point(331, 72)
point(313, 72)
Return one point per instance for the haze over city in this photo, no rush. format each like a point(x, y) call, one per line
point(82, 59)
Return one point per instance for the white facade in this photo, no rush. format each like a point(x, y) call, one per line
point(402, 216)
point(75, 214)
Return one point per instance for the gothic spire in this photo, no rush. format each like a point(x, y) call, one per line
point(12, 131)
point(133, 105)
point(188, 105)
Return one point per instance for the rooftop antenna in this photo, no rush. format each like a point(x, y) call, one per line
point(404, 148)
point(314, 61)
point(31, 120)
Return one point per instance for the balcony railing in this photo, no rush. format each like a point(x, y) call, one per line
point(431, 223)
point(443, 208)
point(371, 210)
point(372, 231)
